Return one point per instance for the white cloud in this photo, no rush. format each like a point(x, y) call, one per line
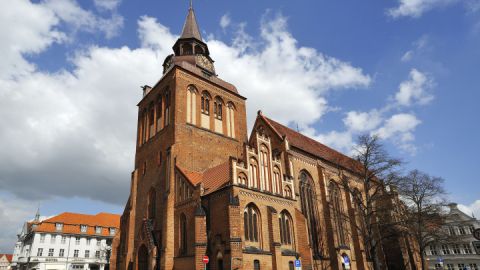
point(362, 121)
point(415, 90)
point(107, 4)
point(399, 128)
point(419, 47)
point(472, 208)
point(225, 21)
point(416, 8)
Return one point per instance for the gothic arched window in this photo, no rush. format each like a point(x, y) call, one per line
point(141, 128)
point(191, 104)
point(286, 228)
point(159, 107)
point(167, 108)
point(276, 181)
point(251, 223)
point(337, 211)
point(265, 168)
point(206, 103)
point(152, 200)
point(218, 108)
point(151, 120)
point(253, 171)
point(183, 234)
point(230, 120)
point(287, 192)
point(309, 209)
point(242, 179)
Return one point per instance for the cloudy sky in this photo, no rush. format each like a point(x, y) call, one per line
point(70, 76)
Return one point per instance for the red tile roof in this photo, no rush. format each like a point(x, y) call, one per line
point(212, 179)
point(312, 146)
point(9, 257)
point(72, 221)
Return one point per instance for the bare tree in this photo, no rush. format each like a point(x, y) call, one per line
point(423, 195)
point(376, 171)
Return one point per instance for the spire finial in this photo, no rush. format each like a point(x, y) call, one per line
point(37, 215)
point(191, 4)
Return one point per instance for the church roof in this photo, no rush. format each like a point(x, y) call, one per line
point(190, 28)
point(8, 256)
point(212, 179)
point(312, 146)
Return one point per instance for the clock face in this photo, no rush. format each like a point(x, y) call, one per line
point(204, 62)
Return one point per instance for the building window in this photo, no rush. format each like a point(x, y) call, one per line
point(450, 266)
point(151, 120)
point(183, 234)
point(461, 266)
point(291, 266)
point(205, 103)
point(58, 226)
point(152, 203)
point(192, 104)
point(98, 230)
point(50, 252)
point(75, 253)
point(217, 109)
point(242, 179)
point(87, 253)
point(445, 250)
point(253, 171)
point(251, 223)
point(256, 265)
point(456, 249)
point(287, 192)
point(52, 239)
point(309, 209)
point(462, 231)
point(338, 214)
point(167, 108)
point(40, 252)
point(112, 231)
point(471, 228)
point(77, 266)
point(42, 238)
point(265, 168)
point(64, 239)
point(286, 228)
point(230, 120)
point(77, 240)
point(473, 266)
point(433, 250)
point(467, 249)
point(451, 230)
point(61, 253)
point(159, 113)
point(276, 181)
point(99, 241)
point(97, 254)
point(88, 241)
point(83, 228)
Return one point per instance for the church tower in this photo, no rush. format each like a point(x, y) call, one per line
point(190, 119)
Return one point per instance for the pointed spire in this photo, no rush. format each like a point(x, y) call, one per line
point(37, 215)
point(190, 28)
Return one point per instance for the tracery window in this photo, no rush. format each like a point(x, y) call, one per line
point(205, 103)
point(287, 192)
point(276, 181)
point(159, 113)
point(167, 108)
point(217, 109)
point(265, 168)
point(286, 228)
point(251, 223)
point(309, 209)
point(253, 171)
point(338, 214)
point(191, 104)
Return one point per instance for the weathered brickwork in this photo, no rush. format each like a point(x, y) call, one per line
point(201, 186)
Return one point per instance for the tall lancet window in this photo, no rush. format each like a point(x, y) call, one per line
point(183, 234)
point(251, 224)
point(167, 108)
point(230, 120)
point(159, 107)
point(309, 210)
point(276, 180)
point(192, 105)
point(337, 213)
point(265, 168)
point(151, 120)
point(286, 228)
point(254, 179)
point(205, 108)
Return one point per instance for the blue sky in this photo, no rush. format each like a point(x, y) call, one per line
point(405, 70)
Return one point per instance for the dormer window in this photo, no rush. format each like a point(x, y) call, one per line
point(98, 230)
point(112, 231)
point(83, 228)
point(59, 226)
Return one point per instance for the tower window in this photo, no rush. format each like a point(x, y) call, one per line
point(217, 110)
point(230, 120)
point(159, 113)
point(251, 223)
point(309, 209)
point(205, 103)
point(167, 108)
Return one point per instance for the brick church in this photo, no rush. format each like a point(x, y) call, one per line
point(202, 186)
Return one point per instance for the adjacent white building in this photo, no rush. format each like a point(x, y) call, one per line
point(462, 251)
point(68, 241)
point(5, 261)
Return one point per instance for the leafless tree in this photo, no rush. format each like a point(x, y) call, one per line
point(376, 170)
point(423, 195)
